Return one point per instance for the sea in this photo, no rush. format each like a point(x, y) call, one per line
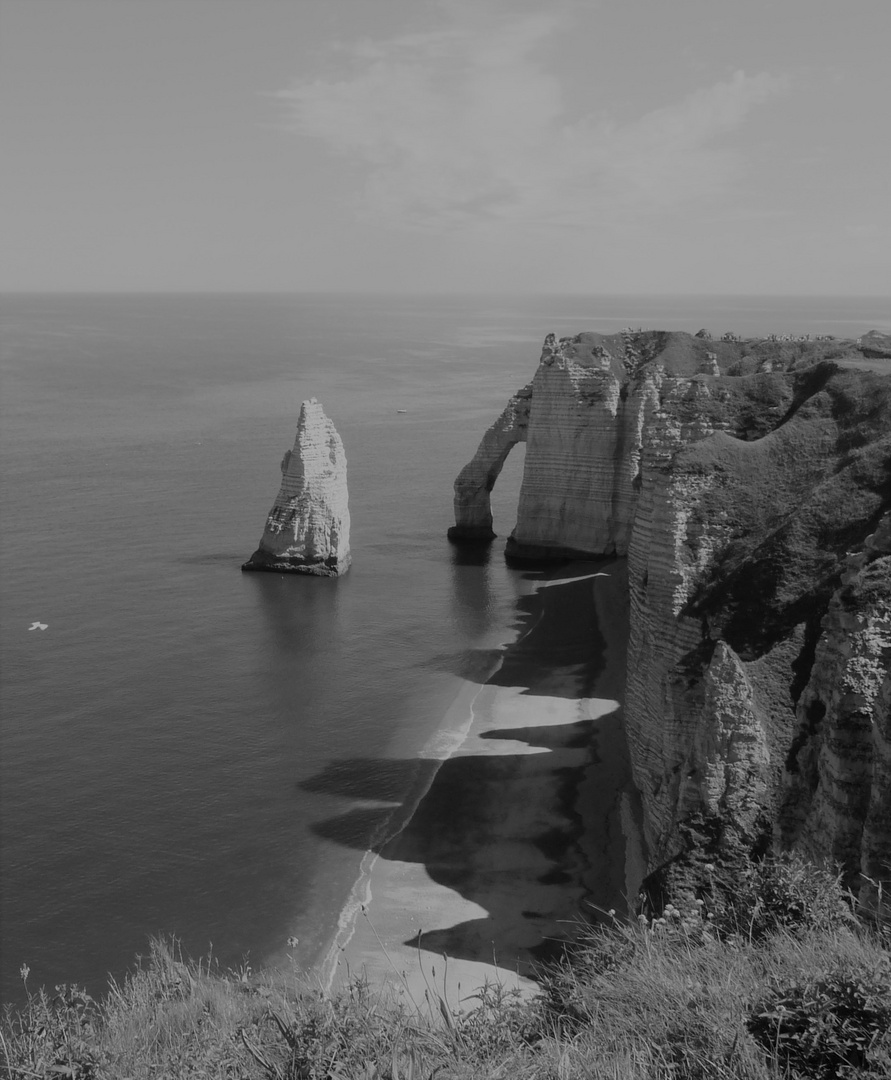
point(178, 738)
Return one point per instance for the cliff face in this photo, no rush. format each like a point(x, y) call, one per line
point(308, 528)
point(838, 797)
point(749, 483)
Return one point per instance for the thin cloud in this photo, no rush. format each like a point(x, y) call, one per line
point(466, 125)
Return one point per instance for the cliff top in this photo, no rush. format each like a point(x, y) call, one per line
point(683, 354)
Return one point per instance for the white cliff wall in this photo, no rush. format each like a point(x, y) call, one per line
point(581, 458)
point(684, 520)
point(308, 528)
point(838, 790)
point(749, 712)
point(735, 475)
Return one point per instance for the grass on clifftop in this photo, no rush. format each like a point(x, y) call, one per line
point(773, 978)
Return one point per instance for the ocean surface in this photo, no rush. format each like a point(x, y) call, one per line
point(172, 742)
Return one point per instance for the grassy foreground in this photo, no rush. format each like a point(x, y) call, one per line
point(769, 975)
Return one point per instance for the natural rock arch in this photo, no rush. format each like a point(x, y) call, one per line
point(473, 506)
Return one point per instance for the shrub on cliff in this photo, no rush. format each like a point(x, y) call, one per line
point(778, 893)
point(836, 1024)
point(769, 976)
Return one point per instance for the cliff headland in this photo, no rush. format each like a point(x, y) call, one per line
point(748, 482)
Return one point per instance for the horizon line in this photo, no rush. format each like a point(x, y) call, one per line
point(587, 294)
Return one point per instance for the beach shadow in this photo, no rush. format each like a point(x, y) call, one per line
point(571, 736)
point(534, 839)
point(471, 665)
point(504, 831)
point(377, 779)
point(556, 629)
point(563, 634)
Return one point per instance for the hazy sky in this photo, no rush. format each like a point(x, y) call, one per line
point(442, 145)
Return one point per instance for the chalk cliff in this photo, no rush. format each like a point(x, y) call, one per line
point(749, 484)
point(308, 528)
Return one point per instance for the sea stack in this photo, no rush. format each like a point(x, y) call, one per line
point(308, 528)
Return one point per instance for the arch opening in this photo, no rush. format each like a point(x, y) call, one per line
point(504, 495)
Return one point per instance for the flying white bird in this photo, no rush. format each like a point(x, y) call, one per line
point(38, 626)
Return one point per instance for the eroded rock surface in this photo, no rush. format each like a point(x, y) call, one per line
point(838, 790)
point(308, 528)
point(749, 483)
point(473, 508)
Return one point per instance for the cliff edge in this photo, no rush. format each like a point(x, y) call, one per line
point(749, 484)
point(308, 528)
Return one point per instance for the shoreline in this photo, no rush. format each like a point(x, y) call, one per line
point(521, 828)
point(444, 742)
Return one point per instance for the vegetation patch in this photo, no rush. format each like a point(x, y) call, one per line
point(833, 1025)
point(773, 979)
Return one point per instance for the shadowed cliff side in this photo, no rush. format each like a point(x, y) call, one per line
point(748, 482)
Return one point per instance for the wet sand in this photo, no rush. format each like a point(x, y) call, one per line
point(522, 831)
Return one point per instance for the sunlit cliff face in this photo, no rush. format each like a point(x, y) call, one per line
point(308, 528)
point(749, 484)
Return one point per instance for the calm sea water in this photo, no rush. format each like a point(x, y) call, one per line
point(171, 742)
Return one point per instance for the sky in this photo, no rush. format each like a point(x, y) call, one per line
point(581, 146)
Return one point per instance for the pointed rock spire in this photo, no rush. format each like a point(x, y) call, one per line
point(308, 528)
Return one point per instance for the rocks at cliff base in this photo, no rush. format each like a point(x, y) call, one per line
point(308, 528)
